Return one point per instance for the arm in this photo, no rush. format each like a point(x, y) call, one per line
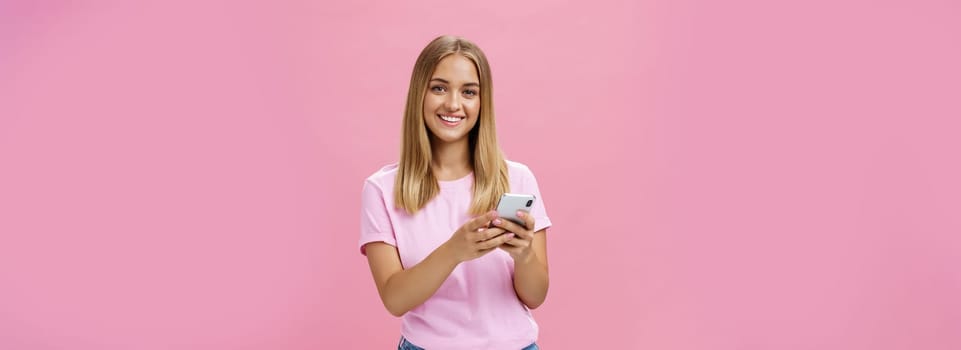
point(402, 290)
point(531, 274)
point(529, 250)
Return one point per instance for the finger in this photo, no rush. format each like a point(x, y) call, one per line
point(517, 242)
point(512, 250)
point(506, 224)
point(491, 233)
point(483, 228)
point(512, 227)
point(496, 241)
point(528, 219)
point(480, 222)
point(477, 235)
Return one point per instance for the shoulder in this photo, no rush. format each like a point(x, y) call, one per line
point(383, 178)
point(518, 171)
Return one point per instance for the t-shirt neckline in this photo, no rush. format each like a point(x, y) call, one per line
point(457, 182)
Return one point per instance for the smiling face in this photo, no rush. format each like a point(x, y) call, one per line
point(453, 100)
point(451, 78)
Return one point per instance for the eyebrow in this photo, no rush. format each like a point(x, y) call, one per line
point(447, 82)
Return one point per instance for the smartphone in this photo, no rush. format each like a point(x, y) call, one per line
point(510, 203)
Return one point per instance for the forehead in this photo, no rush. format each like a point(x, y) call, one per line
point(456, 68)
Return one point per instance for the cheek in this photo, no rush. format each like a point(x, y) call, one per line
point(431, 102)
point(472, 107)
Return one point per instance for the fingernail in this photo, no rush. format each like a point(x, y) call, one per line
point(497, 221)
point(510, 235)
point(521, 213)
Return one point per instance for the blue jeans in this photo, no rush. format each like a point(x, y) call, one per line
point(406, 345)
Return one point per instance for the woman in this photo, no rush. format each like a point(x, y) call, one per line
point(460, 277)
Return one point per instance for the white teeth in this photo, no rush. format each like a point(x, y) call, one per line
point(450, 119)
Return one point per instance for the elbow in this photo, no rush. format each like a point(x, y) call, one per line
point(396, 312)
point(533, 301)
point(533, 297)
point(392, 302)
point(393, 309)
point(534, 304)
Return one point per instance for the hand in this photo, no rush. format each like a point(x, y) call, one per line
point(519, 247)
point(474, 239)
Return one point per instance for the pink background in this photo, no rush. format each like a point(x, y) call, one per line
point(721, 174)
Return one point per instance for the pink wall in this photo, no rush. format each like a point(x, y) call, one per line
point(722, 175)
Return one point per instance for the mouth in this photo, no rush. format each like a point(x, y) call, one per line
point(451, 120)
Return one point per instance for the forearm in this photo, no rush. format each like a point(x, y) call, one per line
point(531, 281)
point(409, 288)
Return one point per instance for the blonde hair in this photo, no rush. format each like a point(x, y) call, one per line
point(416, 184)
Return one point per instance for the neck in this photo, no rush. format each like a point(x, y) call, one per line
point(450, 160)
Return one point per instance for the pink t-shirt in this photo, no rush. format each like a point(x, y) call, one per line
point(476, 307)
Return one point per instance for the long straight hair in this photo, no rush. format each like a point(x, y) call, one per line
point(416, 184)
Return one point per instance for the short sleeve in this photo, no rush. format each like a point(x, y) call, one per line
point(538, 210)
point(375, 224)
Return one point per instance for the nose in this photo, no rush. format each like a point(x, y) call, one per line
point(453, 103)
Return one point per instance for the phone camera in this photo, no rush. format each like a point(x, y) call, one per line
point(529, 202)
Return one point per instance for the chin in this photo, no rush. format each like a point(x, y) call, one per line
point(450, 138)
